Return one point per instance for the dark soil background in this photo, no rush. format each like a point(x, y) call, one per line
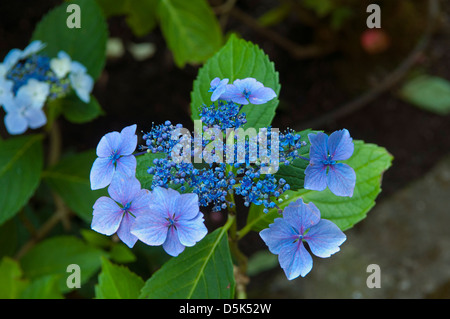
point(155, 90)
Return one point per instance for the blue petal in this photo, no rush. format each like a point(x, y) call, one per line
point(187, 206)
point(172, 245)
point(295, 260)
point(150, 228)
point(325, 238)
point(301, 216)
point(234, 94)
point(341, 179)
point(128, 140)
point(191, 231)
point(124, 231)
point(102, 172)
point(36, 118)
point(107, 216)
point(315, 177)
point(340, 145)
point(15, 123)
point(318, 151)
point(126, 165)
point(278, 235)
point(262, 95)
point(123, 188)
point(108, 144)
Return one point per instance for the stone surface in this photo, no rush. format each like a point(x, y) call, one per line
point(407, 235)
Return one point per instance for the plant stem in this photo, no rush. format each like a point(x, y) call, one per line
point(241, 269)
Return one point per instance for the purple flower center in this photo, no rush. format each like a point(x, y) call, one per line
point(172, 221)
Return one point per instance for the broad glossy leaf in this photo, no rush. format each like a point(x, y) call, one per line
point(21, 162)
point(53, 255)
point(117, 282)
point(191, 30)
point(12, 283)
point(86, 44)
point(199, 272)
point(430, 93)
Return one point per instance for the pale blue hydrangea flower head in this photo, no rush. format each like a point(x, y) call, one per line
point(118, 213)
point(248, 90)
point(301, 223)
point(115, 153)
point(24, 110)
point(173, 221)
point(324, 170)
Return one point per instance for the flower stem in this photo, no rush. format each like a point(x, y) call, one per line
point(241, 268)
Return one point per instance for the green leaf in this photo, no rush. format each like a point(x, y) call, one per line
point(75, 110)
point(430, 93)
point(200, 272)
point(141, 15)
point(294, 173)
point(12, 283)
point(191, 30)
point(70, 179)
point(369, 162)
point(52, 256)
point(238, 59)
point(46, 287)
point(21, 164)
point(86, 45)
point(117, 282)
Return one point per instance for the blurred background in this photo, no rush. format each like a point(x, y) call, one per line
point(335, 73)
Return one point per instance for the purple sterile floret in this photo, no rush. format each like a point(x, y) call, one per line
point(248, 90)
point(323, 169)
point(217, 88)
point(173, 221)
point(117, 213)
point(301, 223)
point(115, 153)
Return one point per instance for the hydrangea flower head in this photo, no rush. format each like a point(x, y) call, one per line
point(248, 90)
point(218, 87)
point(25, 109)
point(115, 153)
point(323, 169)
point(173, 221)
point(301, 223)
point(118, 213)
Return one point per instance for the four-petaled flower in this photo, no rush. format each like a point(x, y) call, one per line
point(323, 169)
point(173, 221)
point(114, 153)
point(118, 213)
point(25, 109)
point(218, 87)
point(248, 90)
point(301, 223)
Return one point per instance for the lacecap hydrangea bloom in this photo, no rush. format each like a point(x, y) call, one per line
point(28, 79)
point(300, 224)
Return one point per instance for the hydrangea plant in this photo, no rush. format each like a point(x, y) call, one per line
point(152, 190)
